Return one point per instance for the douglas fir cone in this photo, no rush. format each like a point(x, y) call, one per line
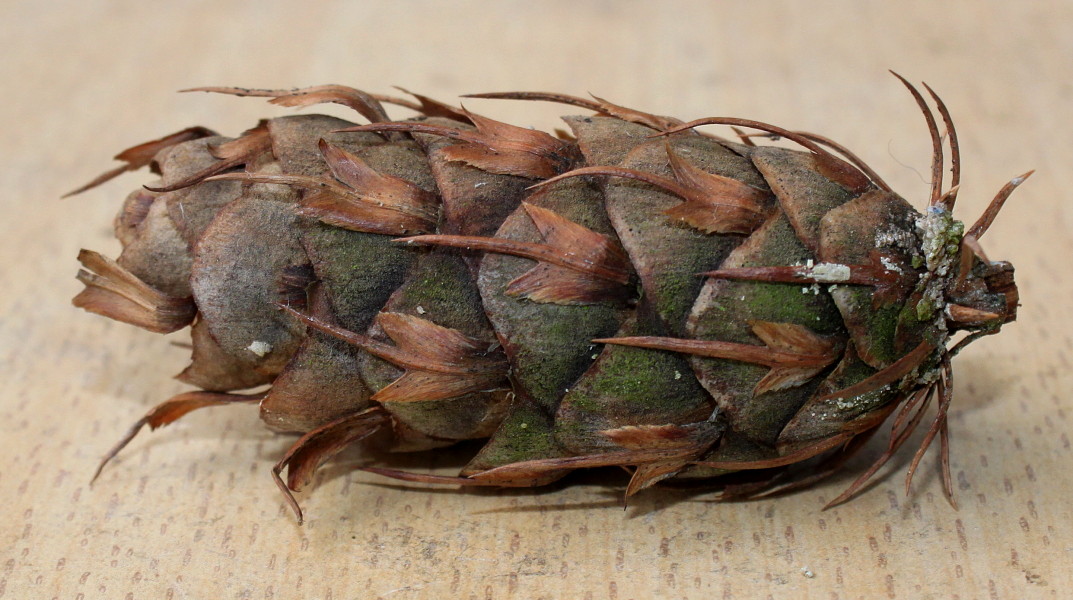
point(630, 292)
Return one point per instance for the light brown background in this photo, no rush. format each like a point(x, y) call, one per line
point(190, 512)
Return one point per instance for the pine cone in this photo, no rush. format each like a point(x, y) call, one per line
point(631, 293)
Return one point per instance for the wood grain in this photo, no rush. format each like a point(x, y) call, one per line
point(190, 512)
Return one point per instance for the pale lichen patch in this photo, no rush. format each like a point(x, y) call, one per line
point(830, 273)
point(889, 265)
point(940, 236)
point(259, 348)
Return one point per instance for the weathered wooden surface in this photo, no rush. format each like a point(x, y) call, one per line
point(190, 512)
